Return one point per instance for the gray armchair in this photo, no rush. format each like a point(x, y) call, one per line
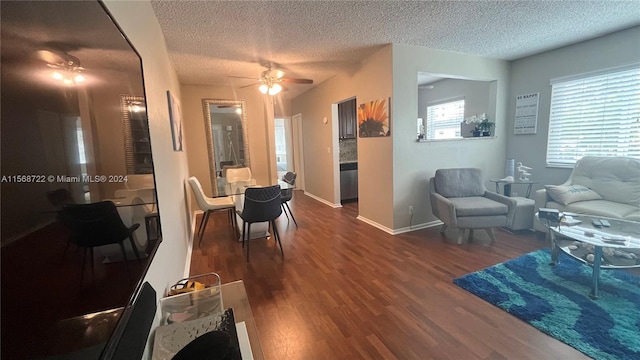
point(460, 199)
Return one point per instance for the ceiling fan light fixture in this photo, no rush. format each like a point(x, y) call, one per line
point(69, 77)
point(275, 89)
point(264, 88)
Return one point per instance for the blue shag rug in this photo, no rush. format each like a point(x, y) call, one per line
point(556, 301)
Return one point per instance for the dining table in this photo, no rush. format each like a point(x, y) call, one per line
point(236, 191)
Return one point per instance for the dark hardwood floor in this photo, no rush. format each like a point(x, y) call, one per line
point(346, 290)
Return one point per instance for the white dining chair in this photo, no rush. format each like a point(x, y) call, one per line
point(209, 205)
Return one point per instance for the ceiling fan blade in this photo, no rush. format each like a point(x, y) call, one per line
point(51, 57)
point(297, 81)
point(241, 77)
point(246, 86)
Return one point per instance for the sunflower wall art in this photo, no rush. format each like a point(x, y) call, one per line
point(373, 119)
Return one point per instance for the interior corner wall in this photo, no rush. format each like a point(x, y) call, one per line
point(413, 162)
point(532, 75)
point(282, 107)
point(194, 127)
point(139, 23)
point(370, 80)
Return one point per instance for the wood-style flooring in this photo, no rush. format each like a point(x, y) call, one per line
point(346, 290)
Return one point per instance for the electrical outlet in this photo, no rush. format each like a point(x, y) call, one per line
point(411, 209)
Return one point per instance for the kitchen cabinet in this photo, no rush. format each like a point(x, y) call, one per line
point(347, 122)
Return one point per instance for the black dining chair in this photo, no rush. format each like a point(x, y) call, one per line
point(98, 224)
point(261, 204)
point(287, 194)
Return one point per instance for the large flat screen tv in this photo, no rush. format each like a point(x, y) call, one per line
point(74, 130)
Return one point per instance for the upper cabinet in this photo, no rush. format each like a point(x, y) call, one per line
point(347, 122)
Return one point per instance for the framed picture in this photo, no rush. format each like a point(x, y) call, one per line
point(373, 118)
point(175, 118)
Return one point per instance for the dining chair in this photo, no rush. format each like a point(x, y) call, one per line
point(261, 204)
point(237, 178)
point(209, 205)
point(287, 194)
point(98, 224)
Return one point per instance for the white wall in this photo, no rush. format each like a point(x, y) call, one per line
point(370, 80)
point(532, 75)
point(258, 124)
point(414, 163)
point(138, 21)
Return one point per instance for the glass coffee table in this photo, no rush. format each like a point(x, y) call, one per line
point(178, 328)
point(589, 240)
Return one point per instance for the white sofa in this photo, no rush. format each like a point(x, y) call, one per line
point(615, 181)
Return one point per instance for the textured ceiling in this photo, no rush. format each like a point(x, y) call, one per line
point(209, 40)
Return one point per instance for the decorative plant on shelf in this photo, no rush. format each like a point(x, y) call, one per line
point(482, 124)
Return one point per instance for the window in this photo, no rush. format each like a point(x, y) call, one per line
point(596, 115)
point(443, 120)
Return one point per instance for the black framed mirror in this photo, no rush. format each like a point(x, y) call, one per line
point(68, 72)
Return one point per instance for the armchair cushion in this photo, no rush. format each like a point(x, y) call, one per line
point(478, 206)
point(567, 194)
point(459, 182)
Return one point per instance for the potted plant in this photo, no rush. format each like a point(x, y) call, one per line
point(483, 126)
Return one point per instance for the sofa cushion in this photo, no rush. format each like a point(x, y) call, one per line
point(459, 182)
point(567, 194)
point(478, 206)
point(634, 216)
point(602, 208)
point(615, 179)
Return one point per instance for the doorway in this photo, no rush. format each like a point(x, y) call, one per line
point(284, 146)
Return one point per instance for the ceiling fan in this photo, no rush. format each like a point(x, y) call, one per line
point(271, 80)
point(67, 67)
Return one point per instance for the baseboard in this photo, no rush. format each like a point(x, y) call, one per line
point(322, 200)
point(417, 227)
point(401, 230)
point(187, 265)
point(375, 224)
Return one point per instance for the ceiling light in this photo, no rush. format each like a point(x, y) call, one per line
point(238, 111)
point(275, 89)
point(271, 89)
point(68, 77)
point(69, 71)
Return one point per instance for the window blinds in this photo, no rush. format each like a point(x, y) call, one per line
point(597, 115)
point(443, 120)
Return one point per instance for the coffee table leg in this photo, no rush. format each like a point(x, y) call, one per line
point(596, 272)
point(555, 250)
